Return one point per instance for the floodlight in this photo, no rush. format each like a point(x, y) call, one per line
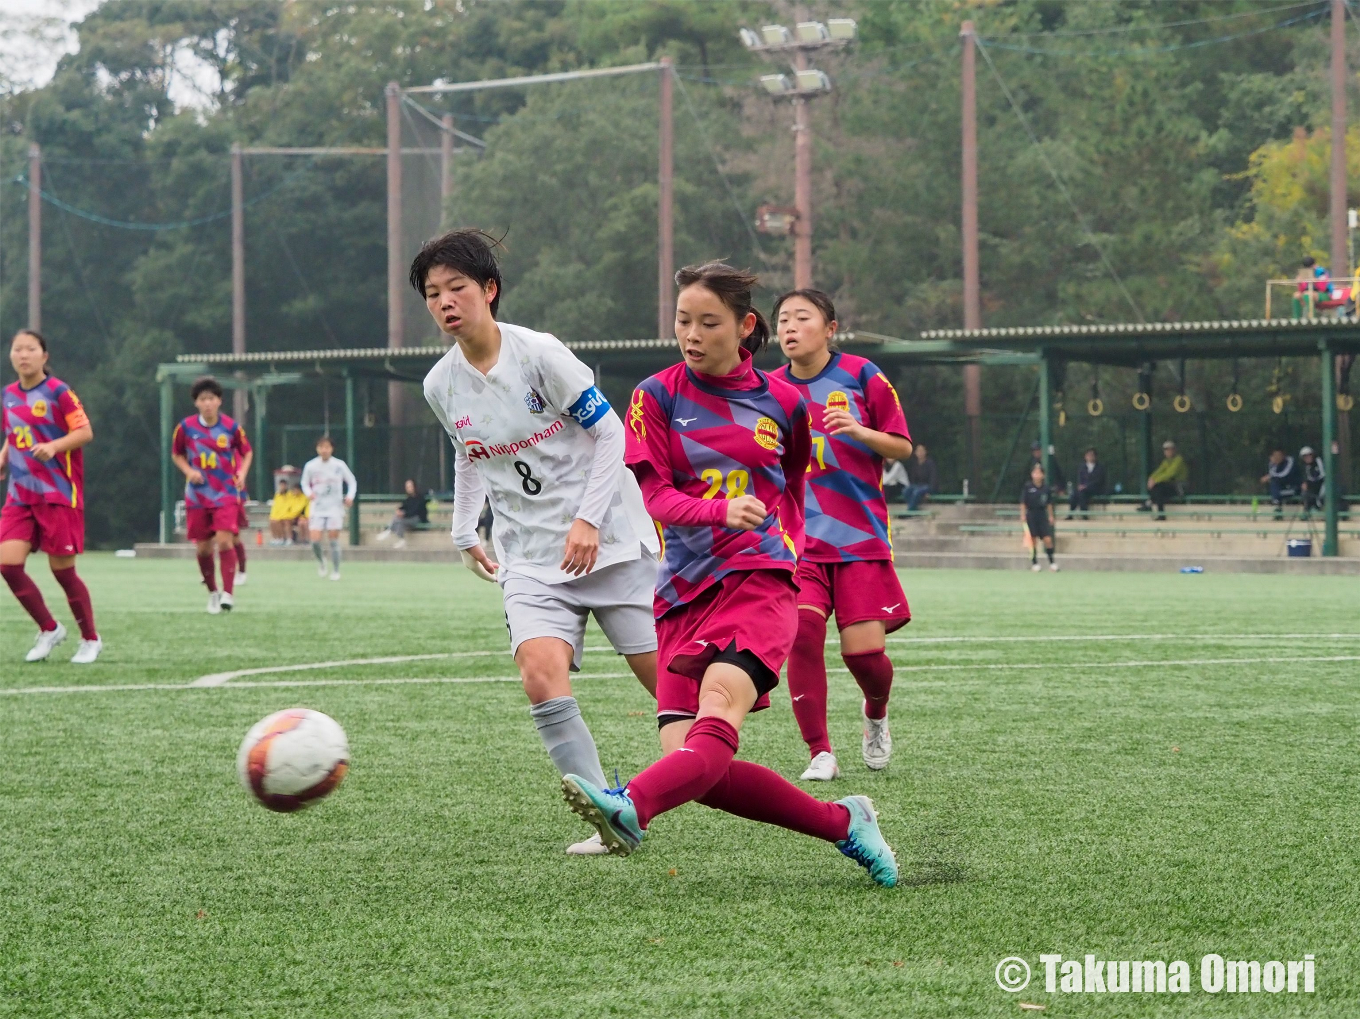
point(776, 35)
point(843, 29)
point(776, 84)
point(750, 40)
point(813, 81)
point(812, 31)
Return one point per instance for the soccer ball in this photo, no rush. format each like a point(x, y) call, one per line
point(293, 758)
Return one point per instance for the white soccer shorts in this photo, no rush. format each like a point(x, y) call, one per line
point(619, 596)
point(326, 522)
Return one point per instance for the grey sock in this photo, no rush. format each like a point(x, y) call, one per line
point(316, 551)
point(335, 556)
point(567, 739)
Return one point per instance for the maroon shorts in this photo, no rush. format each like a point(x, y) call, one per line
point(855, 592)
point(752, 610)
point(47, 527)
point(206, 520)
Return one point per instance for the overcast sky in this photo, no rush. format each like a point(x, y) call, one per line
point(31, 46)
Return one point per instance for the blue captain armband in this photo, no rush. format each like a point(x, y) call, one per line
point(589, 408)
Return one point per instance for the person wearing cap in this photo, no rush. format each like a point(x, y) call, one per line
point(1282, 477)
point(1167, 482)
point(1314, 482)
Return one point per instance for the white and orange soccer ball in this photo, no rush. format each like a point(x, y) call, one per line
point(293, 758)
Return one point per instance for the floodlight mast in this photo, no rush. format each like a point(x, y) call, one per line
point(807, 83)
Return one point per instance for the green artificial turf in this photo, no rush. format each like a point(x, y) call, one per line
point(1066, 796)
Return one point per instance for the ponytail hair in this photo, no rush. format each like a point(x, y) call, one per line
point(733, 287)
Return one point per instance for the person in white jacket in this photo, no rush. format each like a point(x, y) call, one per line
point(330, 485)
point(533, 434)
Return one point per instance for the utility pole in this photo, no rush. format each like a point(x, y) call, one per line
point(34, 237)
point(802, 184)
point(445, 179)
point(972, 299)
point(238, 272)
point(665, 207)
point(396, 416)
point(807, 83)
point(1337, 210)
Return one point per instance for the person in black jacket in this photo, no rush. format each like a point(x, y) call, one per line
point(923, 476)
point(412, 511)
point(1090, 484)
point(1283, 478)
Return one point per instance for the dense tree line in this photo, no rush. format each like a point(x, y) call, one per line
point(1191, 136)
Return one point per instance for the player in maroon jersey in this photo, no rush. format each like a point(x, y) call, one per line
point(719, 449)
point(847, 568)
point(45, 428)
point(212, 452)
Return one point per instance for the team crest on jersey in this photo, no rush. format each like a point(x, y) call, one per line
point(767, 433)
point(534, 401)
point(837, 401)
point(635, 412)
point(222, 442)
point(39, 408)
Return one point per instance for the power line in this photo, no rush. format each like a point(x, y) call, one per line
point(1155, 50)
point(1062, 187)
point(717, 164)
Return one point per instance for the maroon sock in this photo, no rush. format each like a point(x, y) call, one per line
point(205, 567)
point(78, 597)
point(874, 674)
point(807, 680)
point(228, 558)
point(687, 773)
point(29, 596)
point(240, 551)
point(757, 793)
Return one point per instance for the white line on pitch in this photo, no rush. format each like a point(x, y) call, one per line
point(984, 667)
point(222, 678)
point(1187, 637)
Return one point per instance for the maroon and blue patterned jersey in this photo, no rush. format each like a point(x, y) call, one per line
point(215, 451)
point(694, 442)
point(45, 413)
point(847, 515)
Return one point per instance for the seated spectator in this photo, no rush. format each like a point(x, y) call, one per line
point(895, 480)
point(411, 513)
point(1169, 481)
point(287, 515)
point(923, 475)
point(1283, 478)
point(1314, 484)
point(1090, 484)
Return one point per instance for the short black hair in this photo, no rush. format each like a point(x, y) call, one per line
point(471, 252)
point(205, 384)
point(1309, 262)
point(326, 439)
point(819, 299)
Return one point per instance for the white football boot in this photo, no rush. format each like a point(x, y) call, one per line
point(321, 570)
point(214, 603)
point(1053, 567)
point(822, 769)
point(241, 578)
point(1035, 567)
point(877, 745)
point(335, 574)
point(228, 601)
point(47, 640)
point(590, 847)
point(87, 652)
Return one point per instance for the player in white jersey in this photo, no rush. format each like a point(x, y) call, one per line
point(330, 485)
point(532, 433)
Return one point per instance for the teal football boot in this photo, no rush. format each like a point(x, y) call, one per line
point(865, 844)
point(610, 811)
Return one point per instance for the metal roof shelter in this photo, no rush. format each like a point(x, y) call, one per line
point(1130, 345)
point(1137, 345)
